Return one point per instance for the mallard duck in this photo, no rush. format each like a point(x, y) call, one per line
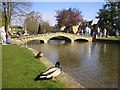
point(50, 73)
point(39, 55)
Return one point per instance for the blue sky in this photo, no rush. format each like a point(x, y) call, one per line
point(47, 9)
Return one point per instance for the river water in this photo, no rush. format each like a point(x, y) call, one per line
point(92, 64)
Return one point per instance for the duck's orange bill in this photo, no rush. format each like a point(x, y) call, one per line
point(54, 79)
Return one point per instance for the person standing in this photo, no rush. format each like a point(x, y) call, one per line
point(92, 30)
point(105, 32)
point(7, 39)
point(89, 31)
point(98, 31)
point(117, 33)
point(3, 35)
point(9, 31)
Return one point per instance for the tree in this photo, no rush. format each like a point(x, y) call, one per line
point(70, 17)
point(45, 27)
point(32, 21)
point(12, 10)
point(2, 21)
point(111, 0)
point(39, 29)
point(109, 16)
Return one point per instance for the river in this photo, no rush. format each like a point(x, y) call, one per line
point(92, 64)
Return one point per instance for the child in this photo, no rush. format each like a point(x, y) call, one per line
point(7, 40)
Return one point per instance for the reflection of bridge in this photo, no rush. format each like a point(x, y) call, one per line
point(46, 37)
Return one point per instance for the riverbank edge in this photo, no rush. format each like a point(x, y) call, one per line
point(64, 77)
point(69, 81)
point(106, 40)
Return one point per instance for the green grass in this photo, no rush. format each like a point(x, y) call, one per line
point(109, 38)
point(19, 68)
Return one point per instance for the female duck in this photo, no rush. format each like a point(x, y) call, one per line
point(50, 73)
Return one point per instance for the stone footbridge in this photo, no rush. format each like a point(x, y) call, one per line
point(46, 37)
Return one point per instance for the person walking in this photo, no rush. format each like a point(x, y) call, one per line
point(105, 32)
point(98, 31)
point(3, 35)
point(87, 30)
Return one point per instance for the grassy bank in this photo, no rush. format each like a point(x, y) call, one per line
point(109, 38)
point(19, 68)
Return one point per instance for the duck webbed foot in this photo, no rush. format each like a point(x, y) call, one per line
point(54, 79)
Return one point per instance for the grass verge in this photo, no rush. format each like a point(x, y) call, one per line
point(19, 68)
point(109, 38)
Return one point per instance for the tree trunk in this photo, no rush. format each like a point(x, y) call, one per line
point(39, 29)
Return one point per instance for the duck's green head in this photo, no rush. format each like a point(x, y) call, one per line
point(57, 64)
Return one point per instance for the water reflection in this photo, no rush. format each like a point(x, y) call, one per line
point(92, 64)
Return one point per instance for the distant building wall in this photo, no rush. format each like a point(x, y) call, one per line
point(75, 28)
point(62, 28)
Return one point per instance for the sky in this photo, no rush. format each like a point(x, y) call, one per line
point(48, 9)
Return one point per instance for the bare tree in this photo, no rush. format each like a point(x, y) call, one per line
point(2, 21)
point(32, 21)
point(35, 15)
point(12, 10)
point(45, 27)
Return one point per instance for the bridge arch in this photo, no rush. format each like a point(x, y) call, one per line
point(61, 38)
point(81, 39)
